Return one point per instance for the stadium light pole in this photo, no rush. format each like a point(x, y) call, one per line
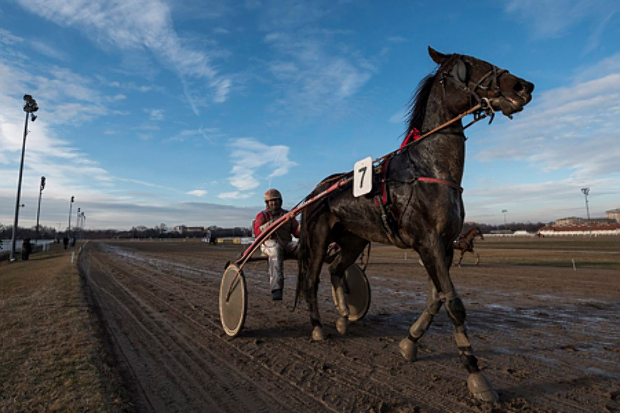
point(504, 211)
point(586, 191)
point(30, 107)
point(41, 188)
point(70, 207)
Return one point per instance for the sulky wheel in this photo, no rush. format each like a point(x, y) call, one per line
point(357, 291)
point(233, 300)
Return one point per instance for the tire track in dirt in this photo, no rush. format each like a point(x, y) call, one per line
point(238, 394)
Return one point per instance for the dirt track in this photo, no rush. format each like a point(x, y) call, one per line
point(547, 338)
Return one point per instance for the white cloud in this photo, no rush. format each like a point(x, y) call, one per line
point(155, 114)
point(250, 157)
point(313, 79)
point(554, 18)
point(197, 192)
point(235, 195)
point(397, 39)
point(131, 25)
point(209, 134)
point(573, 127)
point(8, 38)
point(48, 50)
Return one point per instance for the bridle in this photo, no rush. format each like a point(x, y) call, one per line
point(487, 82)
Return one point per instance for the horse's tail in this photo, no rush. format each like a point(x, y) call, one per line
point(308, 222)
point(304, 252)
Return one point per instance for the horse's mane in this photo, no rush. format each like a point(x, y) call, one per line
point(417, 111)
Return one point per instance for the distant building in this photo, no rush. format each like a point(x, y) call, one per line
point(613, 214)
point(576, 221)
point(190, 231)
point(580, 230)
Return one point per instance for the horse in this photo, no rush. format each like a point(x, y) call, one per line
point(465, 243)
point(424, 209)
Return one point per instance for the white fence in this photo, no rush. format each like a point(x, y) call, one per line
point(598, 233)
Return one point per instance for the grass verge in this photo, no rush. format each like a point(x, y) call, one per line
point(52, 358)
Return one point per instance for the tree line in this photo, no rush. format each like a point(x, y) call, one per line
point(140, 231)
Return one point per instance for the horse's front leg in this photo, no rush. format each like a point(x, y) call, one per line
point(438, 264)
point(409, 345)
point(477, 258)
point(461, 259)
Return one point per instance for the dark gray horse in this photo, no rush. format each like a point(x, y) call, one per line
point(420, 205)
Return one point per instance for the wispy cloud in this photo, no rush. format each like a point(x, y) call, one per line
point(48, 50)
point(209, 134)
point(130, 26)
point(555, 18)
point(574, 127)
point(197, 192)
point(155, 114)
point(312, 79)
point(571, 129)
point(235, 195)
point(250, 158)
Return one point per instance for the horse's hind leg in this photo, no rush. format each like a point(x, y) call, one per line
point(319, 249)
point(409, 345)
point(351, 247)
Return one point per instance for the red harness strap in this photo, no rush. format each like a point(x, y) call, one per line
point(415, 134)
point(441, 181)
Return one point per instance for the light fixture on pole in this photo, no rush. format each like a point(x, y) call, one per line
point(30, 107)
point(504, 211)
point(586, 191)
point(41, 188)
point(70, 207)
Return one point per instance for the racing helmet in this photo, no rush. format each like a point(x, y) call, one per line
point(272, 194)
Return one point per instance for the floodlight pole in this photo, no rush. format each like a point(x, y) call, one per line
point(586, 192)
point(30, 107)
point(70, 207)
point(504, 212)
point(41, 188)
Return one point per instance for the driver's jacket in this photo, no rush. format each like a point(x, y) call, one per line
point(265, 218)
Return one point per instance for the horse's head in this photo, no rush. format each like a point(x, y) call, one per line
point(479, 233)
point(477, 80)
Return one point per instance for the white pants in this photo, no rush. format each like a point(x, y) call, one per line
point(276, 253)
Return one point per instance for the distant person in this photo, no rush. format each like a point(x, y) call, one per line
point(278, 245)
point(65, 241)
point(72, 242)
point(26, 249)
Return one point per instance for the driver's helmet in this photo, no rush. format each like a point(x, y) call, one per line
point(272, 194)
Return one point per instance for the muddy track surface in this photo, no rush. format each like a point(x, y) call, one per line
point(548, 339)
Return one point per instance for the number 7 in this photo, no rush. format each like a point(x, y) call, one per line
point(363, 172)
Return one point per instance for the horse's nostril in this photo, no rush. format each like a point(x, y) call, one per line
point(518, 87)
point(530, 87)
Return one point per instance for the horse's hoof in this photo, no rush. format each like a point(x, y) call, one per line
point(342, 325)
point(480, 388)
point(317, 334)
point(409, 349)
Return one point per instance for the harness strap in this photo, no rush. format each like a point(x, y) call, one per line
point(440, 181)
point(390, 226)
point(384, 193)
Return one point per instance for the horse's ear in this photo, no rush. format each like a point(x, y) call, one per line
point(437, 57)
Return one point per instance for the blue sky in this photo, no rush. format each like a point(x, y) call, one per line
point(187, 111)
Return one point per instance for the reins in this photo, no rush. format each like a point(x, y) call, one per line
point(477, 110)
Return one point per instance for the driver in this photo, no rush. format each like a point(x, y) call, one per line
point(280, 244)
